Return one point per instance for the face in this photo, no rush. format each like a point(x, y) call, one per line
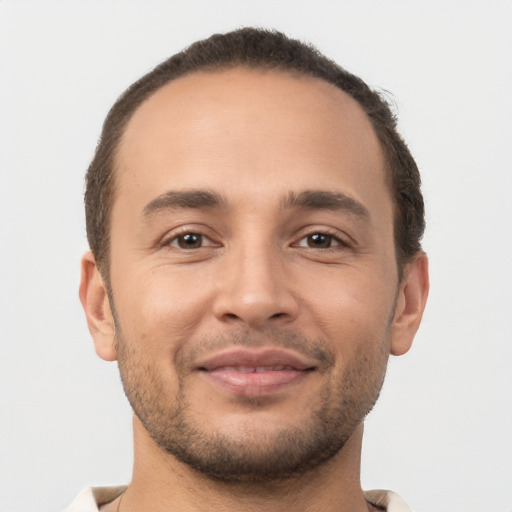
point(253, 271)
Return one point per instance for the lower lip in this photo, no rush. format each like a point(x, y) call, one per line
point(254, 384)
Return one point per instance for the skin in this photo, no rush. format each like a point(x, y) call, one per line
point(257, 278)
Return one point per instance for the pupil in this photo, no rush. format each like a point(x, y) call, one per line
point(190, 240)
point(319, 240)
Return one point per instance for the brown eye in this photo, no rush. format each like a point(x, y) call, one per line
point(319, 241)
point(188, 241)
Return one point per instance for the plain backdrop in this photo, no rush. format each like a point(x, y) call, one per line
point(441, 434)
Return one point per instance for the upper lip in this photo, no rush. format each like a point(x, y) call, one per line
point(255, 358)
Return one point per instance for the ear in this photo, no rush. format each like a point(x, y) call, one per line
point(94, 299)
point(410, 304)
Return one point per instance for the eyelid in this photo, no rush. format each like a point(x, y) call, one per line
point(170, 240)
point(174, 241)
point(335, 242)
point(342, 239)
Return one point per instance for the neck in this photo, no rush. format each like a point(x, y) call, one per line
point(160, 482)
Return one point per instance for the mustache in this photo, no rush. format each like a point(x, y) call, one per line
point(315, 349)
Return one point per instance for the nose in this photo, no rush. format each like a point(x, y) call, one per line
point(254, 289)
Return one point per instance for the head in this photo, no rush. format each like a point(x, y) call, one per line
point(265, 50)
point(247, 278)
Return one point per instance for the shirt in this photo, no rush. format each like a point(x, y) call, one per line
point(90, 499)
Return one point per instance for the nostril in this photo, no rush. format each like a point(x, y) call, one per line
point(255, 306)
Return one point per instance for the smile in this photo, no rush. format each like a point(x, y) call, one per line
point(254, 369)
point(255, 373)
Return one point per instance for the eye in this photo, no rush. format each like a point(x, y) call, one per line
point(319, 241)
point(190, 241)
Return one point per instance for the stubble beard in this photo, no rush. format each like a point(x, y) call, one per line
point(252, 456)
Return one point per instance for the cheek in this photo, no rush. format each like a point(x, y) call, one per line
point(353, 309)
point(160, 308)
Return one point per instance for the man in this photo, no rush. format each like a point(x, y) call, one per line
point(255, 222)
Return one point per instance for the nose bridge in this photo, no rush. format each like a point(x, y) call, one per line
point(253, 288)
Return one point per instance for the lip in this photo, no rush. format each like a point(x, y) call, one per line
point(255, 372)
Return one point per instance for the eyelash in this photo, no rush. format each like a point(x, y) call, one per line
point(332, 240)
point(175, 240)
point(329, 240)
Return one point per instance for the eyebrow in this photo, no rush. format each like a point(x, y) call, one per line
point(206, 199)
point(325, 200)
point(181, 199)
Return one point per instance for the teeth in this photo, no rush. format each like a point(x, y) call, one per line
point(252, 369)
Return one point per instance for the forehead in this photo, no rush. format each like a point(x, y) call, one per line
point(264, 130)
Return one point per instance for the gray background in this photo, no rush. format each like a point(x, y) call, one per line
point(442, 433)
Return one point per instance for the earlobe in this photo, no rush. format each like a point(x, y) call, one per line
point(410, 305)
point(95, 301)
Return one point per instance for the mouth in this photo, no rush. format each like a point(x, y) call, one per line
point(255, 373)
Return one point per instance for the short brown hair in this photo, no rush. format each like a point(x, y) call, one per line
point(265, 49)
